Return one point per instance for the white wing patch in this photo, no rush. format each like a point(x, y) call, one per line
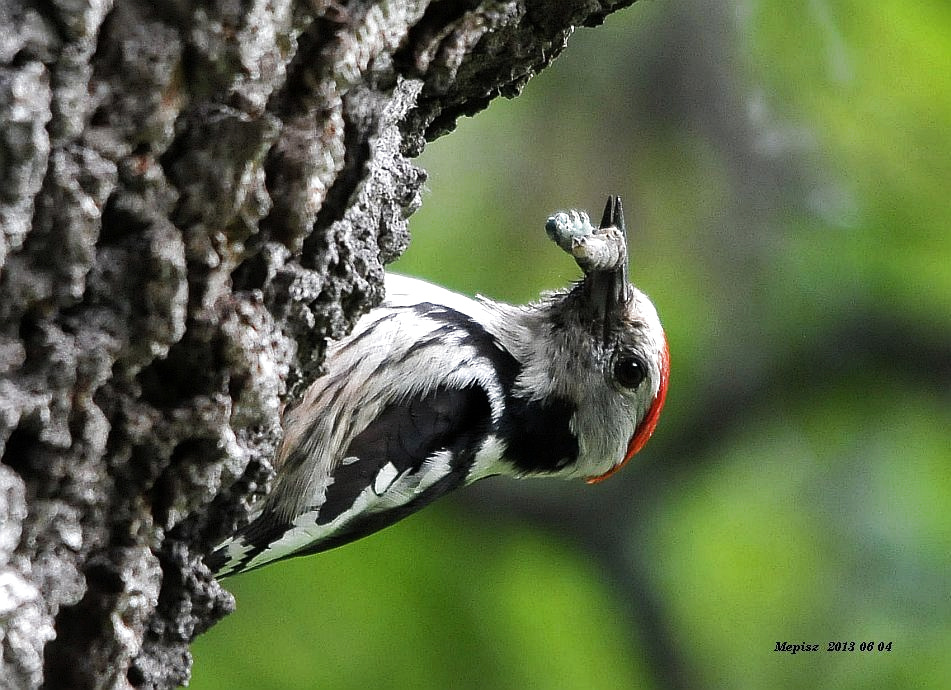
point(434, 468)
point(384, 478)
point(237, 549)
point(304, 531)
point(488, 461)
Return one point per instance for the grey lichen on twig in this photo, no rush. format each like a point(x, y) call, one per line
point(595, 249)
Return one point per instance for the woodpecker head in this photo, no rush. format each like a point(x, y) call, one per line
point(609, 334)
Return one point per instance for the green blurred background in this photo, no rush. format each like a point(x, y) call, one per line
point(786, 172)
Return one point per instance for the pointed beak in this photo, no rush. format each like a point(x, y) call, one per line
point(608, 291)
point(613, 217)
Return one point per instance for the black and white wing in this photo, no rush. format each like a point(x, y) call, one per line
point(357, 458)
point(412, 453)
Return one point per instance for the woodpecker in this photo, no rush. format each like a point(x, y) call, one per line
point(434, 390)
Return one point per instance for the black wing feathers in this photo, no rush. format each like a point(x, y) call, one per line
point(404, 435)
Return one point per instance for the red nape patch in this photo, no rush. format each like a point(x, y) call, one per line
point(643, 432)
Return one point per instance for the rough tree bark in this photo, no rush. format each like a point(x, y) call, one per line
point(194, 197)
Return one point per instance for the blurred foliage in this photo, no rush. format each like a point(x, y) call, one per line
point(785, 169)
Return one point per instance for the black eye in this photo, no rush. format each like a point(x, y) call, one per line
point(629, 371)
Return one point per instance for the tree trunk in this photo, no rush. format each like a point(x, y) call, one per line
point(194, 197)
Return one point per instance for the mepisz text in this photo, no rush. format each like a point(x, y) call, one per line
point(793, 648)
point(839, 646)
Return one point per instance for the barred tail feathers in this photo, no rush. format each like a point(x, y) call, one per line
point(238, 553)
